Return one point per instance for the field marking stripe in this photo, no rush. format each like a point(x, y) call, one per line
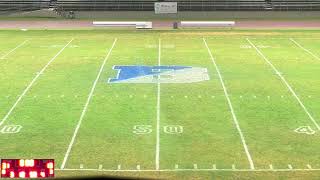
point(235, 119)
point(31, 84)
point(158, 112)
point(308, 51)
point(286, 83)
point(195, 170)
point(85, 108)
point(21, 44)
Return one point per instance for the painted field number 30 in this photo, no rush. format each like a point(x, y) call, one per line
point(10, 129)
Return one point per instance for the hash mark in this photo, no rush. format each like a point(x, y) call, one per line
point(309, 166)
point(271, 167)
point(195, 166)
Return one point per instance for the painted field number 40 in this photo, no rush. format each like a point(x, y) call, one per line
point(10, 129)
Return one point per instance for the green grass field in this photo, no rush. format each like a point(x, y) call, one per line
point(257, 116)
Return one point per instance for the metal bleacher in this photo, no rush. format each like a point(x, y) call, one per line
point(190, 5)
point(148, 5)
point(23, 5)
point(302, 5)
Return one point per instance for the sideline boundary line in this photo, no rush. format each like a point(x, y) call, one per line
point(85, 108)
point(286, 83)
point(31, 84)
point(158, 112)
point(235, 119)
point(306, 50)
point(192, 170)
point(5, 55)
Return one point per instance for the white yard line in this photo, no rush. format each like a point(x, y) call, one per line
point(31, 84)
point(85, 108)
point(5, 55)
point(235, 119)
point(158, 114)
point(193, 170)
point(308, 51)
point(286, 83)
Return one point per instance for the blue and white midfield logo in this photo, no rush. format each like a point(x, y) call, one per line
point(159, 74)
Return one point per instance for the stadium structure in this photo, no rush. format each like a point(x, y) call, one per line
point(160, 89)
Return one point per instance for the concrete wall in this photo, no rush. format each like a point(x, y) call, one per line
point(202, 15)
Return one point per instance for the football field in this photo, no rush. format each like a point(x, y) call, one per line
point(169, 104)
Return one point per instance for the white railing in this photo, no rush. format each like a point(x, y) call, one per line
point(207, 23)
point(136, 24)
